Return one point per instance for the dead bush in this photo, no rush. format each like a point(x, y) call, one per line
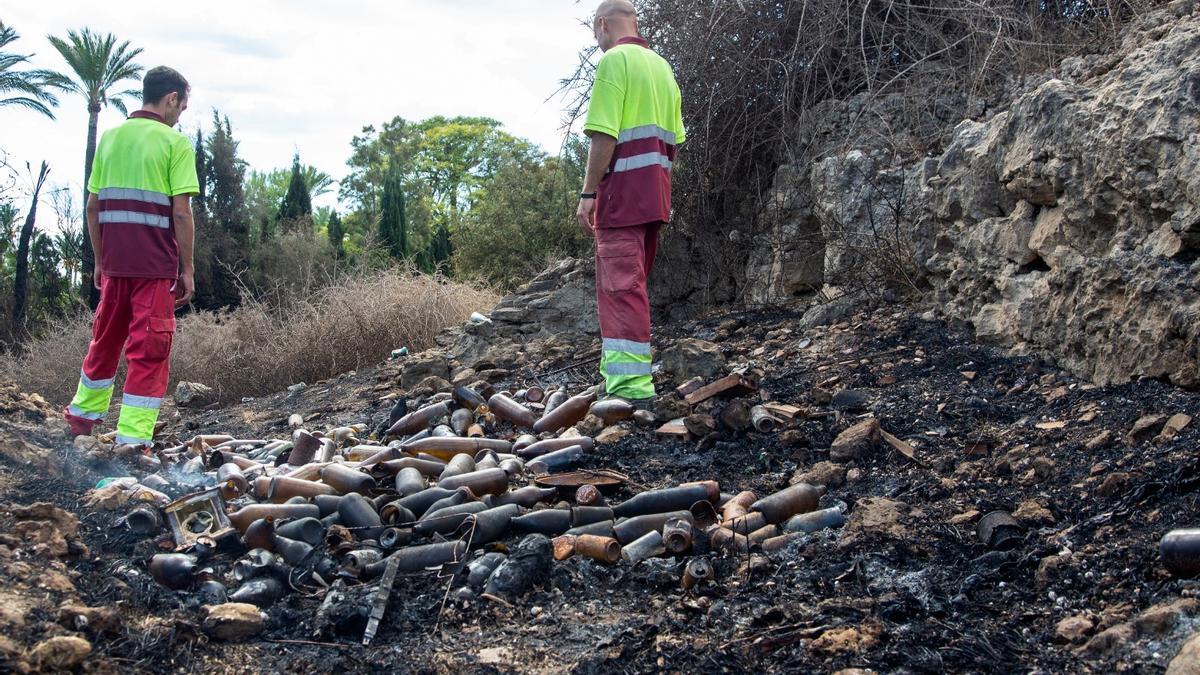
point(262, 347)
point(753, 73)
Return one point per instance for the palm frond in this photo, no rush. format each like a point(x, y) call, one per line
point(98, 63)
point(26, 102)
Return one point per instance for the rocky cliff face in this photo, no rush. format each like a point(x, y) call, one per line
point(1068, 224)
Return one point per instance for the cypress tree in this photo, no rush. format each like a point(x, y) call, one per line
point(296, 208)
point(225, 177)
point(393, 222)
point(336, 234)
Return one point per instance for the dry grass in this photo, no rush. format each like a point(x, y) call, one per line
point(260, 349)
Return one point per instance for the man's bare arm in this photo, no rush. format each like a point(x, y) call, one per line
point(600, 153)
point(93, 224)
point(599, 156)
point(185, 235)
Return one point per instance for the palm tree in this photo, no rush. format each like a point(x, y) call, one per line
point(32, 87)
point(318, 182)
point(99, 65)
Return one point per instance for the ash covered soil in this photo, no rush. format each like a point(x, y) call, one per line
point(905, 586)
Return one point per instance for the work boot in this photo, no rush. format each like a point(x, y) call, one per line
point(79, 426)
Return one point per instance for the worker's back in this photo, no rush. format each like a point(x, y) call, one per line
point(636, 100)
point(138, 167)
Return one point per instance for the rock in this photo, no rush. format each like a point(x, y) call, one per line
point(427, 364)
point(848, 639)
point(1187, 660)
point(735, 415)
point(194, 395)
point(856, 442)
point(1113, 484)
point(669, 407)
point(590, 425)
point(64, 521)
point(793, 438)
point(1099, 440)
point(877, 517)
point(1074, 629)
point(820, 395)
point(1031, 513)
point(1043, 468)
point(1108, 640)
point(754, 564)
point(850, 400)
point(689, 358)
point(612, 434)
point(463, 376)
point(1178, 422)
point(828, 474)
point(1161, 618)
point(964, 517)
point(855, 671)
point(645, 418)
point(95, 620)
point(1048, 569)
point(528, 563)
point(54, 538)
point(700, 424)
point(60, 653)
point(429, 386)
point(827, 313)
point(233, 621)
point(107, 498)
point(1031, 223)
point(855, 475)
point(1145, 427)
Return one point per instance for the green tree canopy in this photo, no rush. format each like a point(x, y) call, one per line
point(523, 218)
point(441, 161)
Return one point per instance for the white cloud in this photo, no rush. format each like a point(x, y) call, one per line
point(307, 76)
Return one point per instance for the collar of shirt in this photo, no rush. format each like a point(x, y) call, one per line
point(146, 115)
point(634, 40)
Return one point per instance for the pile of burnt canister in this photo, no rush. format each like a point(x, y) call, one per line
point(326, 510)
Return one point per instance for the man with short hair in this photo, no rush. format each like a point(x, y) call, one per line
point(634, 122)
point(139, 216)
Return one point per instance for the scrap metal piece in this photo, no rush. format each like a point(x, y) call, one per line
point(605, 480)
point(379, 605)
point(734, 384)
point(197, 515)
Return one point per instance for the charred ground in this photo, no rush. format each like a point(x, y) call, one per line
point(906, 586)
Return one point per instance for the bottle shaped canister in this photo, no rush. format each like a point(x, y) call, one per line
point(571, 411)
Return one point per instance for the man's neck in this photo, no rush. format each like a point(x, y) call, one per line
point(149, 112)
point(629, 38)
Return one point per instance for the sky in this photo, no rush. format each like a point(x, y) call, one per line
point(305, 76)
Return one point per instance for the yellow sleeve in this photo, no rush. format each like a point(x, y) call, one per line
point(608, 96)
point(184, 180)
point(96, 178)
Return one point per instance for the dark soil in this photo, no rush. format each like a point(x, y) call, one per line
point(921, 595)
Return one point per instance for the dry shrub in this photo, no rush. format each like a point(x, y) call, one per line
point(261, 348)
point(753, 73)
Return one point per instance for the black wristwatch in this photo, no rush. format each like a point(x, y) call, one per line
point(587, 195)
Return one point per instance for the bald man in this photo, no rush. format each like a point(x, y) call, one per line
point(634, 123)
